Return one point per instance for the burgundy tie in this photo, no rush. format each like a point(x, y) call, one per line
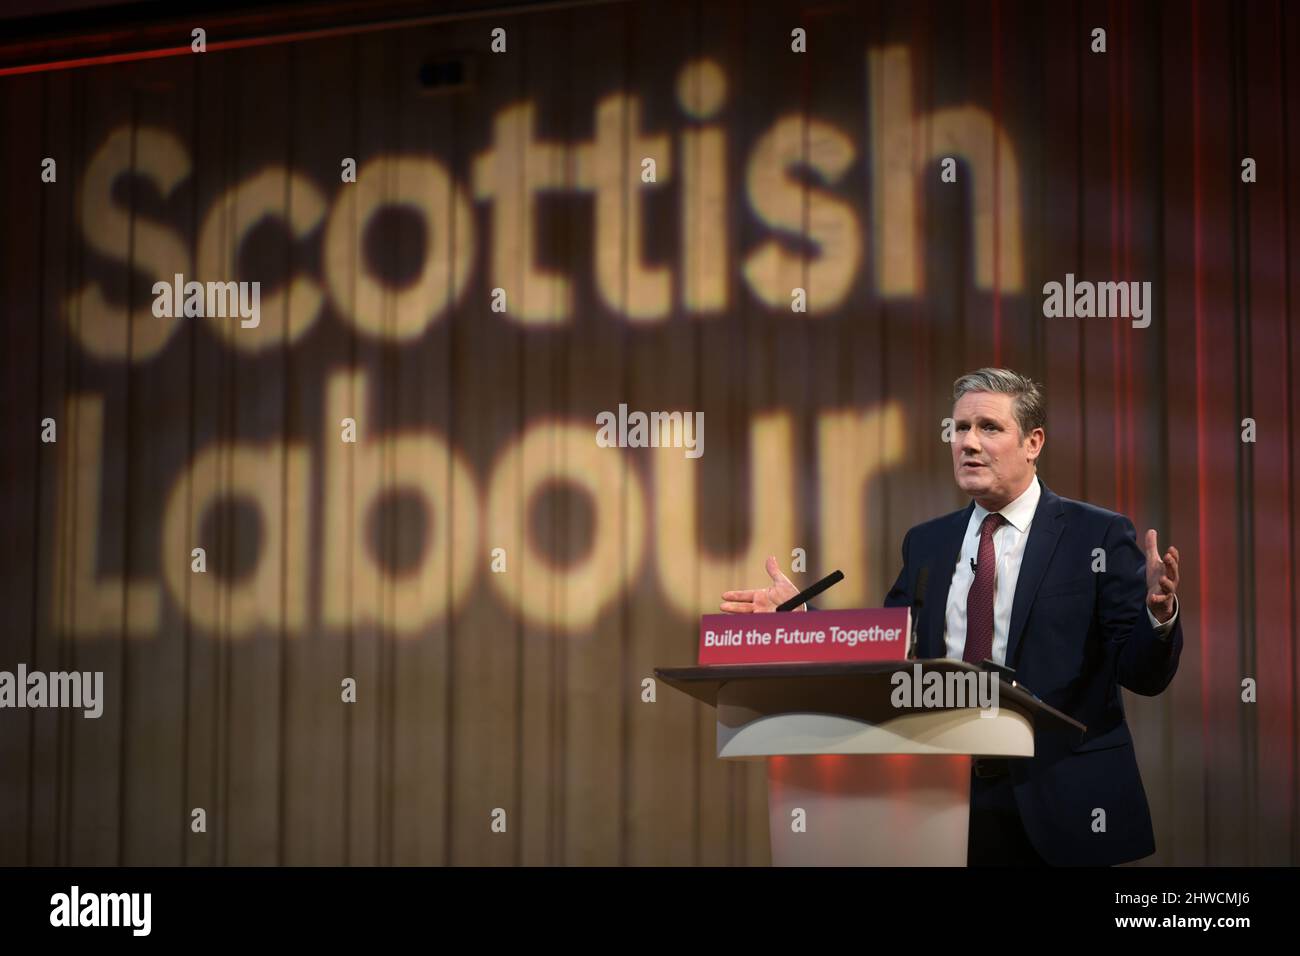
point(979, 601)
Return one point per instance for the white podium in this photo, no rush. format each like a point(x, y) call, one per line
point(878, 785)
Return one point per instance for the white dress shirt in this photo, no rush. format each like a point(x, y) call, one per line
point(1009, 542)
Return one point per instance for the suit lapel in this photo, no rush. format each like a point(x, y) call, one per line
point(936, 609)
point(1044, 533)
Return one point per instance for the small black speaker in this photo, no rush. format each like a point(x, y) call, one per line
point(446, 74)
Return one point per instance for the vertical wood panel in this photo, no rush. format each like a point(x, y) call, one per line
point(207, 397)
point(593, 365)
point(92, 764)
point(664, 366)
point(502, 691)
point(158, 408)
point(418, 661)
point(315, 755)
point(1265, 216)
point(364, 463)
point(23, 742)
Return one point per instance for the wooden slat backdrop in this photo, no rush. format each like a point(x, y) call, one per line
point(1122, 166)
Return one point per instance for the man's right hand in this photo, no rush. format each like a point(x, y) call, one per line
point(762, 599)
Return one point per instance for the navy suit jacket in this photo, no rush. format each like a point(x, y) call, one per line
point(1076, 638)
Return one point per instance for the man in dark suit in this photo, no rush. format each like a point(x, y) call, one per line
point(1058, 590)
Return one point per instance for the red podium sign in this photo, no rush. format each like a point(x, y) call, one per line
point(874, 634)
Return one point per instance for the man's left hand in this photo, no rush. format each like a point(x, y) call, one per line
point(1162, 579)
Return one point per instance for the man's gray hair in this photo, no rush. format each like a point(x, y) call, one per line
point(1029, 407)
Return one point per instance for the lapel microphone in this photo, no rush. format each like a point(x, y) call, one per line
point(922, 580)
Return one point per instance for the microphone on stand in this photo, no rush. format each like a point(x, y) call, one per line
point(835, 577)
